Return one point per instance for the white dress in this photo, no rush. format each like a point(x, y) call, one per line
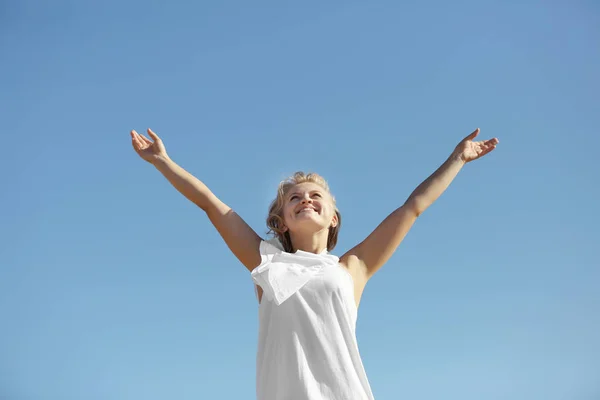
point(307, 347)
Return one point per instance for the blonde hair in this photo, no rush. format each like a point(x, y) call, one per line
point(275, 219)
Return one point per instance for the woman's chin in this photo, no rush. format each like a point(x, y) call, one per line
point(308, 225)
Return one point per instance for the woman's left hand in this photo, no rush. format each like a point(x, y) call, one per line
point(468, 150)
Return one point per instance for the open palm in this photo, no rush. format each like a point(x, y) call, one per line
point(469, 150)
point(149, 150)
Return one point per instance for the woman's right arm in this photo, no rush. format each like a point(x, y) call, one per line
point(241, 239)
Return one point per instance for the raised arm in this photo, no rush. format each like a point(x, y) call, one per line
point(379, 246)
point(238, 235)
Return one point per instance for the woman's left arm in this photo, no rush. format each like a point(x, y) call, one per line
point(379, 246)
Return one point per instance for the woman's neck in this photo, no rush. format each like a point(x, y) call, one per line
point(311, 243)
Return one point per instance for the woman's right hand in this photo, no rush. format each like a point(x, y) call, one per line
point(147, 149)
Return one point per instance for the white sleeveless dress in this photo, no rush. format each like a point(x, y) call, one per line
point(307, 347)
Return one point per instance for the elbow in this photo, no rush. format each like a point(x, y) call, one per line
point(415, 206)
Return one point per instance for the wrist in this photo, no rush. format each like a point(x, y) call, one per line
point(160, 160)
point(457, 157)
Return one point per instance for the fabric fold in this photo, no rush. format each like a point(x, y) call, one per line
point(282, 274)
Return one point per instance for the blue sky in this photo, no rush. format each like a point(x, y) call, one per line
point(113, 286)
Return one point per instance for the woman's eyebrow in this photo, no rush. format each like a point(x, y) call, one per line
point(298, 193)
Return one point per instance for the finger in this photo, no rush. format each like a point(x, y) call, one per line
point(485, 144)
point(472, 135)
point(134, 139)
point(137, 143)
point(153, 135)
point(138, 138)
point(486, 151)
point(145, 139)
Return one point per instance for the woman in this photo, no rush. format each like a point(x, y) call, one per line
point(308, 297)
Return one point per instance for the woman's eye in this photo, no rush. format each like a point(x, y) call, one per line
point(317, 195)
point(293, 197)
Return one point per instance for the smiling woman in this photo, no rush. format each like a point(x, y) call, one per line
point(307, 348)
point(295, 195)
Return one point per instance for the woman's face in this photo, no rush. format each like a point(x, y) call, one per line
point(308, 208)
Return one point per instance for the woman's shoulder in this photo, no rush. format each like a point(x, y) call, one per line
point(271, 246)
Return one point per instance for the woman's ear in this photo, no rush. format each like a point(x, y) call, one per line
point(334, 221)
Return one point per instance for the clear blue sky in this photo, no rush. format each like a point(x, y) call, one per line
point(114, 287)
